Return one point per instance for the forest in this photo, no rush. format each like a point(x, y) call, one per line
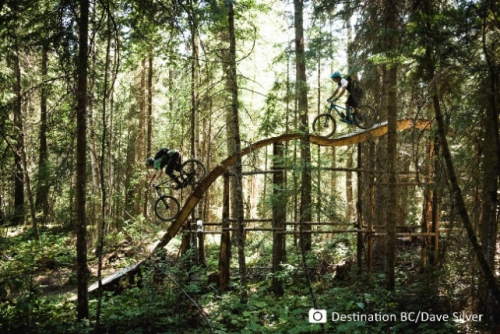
point(387, 224)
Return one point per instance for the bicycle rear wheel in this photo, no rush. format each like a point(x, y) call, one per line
point(194, 171)
point(366, 117)
point(324, 125)
point(167, 208)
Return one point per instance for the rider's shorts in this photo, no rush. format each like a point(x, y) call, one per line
point(352, 101)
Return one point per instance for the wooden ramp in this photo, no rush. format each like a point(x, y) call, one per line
point(349, 139)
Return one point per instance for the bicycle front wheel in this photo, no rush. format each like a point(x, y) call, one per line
point(366, 117)
point(167, 208)
point(194, 171)
point(324, 125)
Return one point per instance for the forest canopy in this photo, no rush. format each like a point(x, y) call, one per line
point(394, 214)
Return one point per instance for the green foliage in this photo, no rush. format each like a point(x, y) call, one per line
point(462, 36)
point(159, 304)
point(26, 255)
point(272, 121)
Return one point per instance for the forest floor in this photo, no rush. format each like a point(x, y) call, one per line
point(47, 269)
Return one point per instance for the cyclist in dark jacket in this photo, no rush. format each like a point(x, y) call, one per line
point(172, 159)
point(344, 85)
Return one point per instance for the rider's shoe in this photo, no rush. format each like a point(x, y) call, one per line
point(342, 115)
point(177, 184)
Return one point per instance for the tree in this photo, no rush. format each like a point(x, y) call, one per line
point(238, 167)
point(43, 184)
point(391, 16)
point(491, 144)
point(18, 124)
point(81, 162)
point(305, 153)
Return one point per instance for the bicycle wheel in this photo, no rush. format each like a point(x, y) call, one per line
point(324, 125)
point(167, 208)
point(366, 117)
point(194, 171)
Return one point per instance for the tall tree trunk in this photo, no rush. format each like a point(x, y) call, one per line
point(427, 208)
point(19, 174)
point(42, 188)
point(27, 180)
point(350, 162)
point(391, 20)
point(231, 130)
point(333, 180)
point(81, 164)
point(305, 145)
point(140, 143)
point(195, 127)
point(319, 195)
point(305, 153)
point(194, 82)
point(279, 218)
point(149, 122)
point(104, 139)
point(225, 239)
point(436, 202)
point(92, 133)
point(435, 140)
point(232, 77)
point(149, 119)
point(350, 54)
point(491, 152)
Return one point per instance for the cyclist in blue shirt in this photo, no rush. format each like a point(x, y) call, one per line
point(344, 85)
point(172, 159)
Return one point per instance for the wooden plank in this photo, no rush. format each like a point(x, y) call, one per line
point(113, 277)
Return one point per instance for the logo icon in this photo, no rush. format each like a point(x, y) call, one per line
point(317, 316)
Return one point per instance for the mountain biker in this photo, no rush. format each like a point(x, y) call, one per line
point(343, 85)
point(172, 159)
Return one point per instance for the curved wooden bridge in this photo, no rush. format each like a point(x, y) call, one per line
point(349, 139)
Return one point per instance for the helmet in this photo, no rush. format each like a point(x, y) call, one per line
point(150, 162)
point(335, 74)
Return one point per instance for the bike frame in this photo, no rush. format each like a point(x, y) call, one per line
point(336, 107)
point(168, 185)
point(349, 112)
point(158, 188)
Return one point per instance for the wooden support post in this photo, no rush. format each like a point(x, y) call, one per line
point(193, 243)
point(186, 237)
point(371, 196)
point(359, 207)
point(201, 243)
point(279, 216)
point(225, 239)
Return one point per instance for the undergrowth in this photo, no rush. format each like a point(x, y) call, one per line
point(174, 296)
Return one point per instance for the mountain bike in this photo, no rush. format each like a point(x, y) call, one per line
point(325, 125)
point(167, 207)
